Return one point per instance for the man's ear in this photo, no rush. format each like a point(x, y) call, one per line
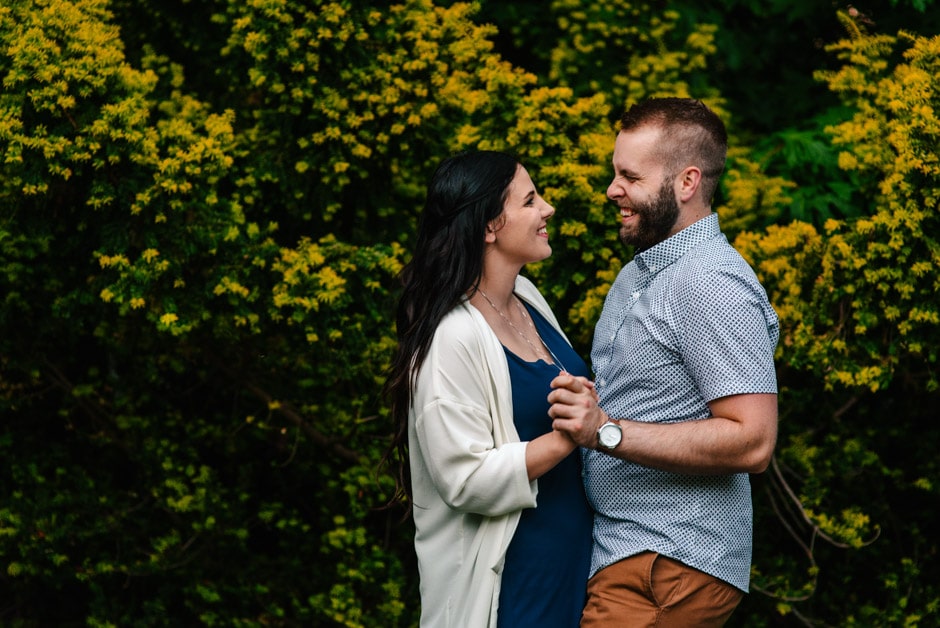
point(687, 183)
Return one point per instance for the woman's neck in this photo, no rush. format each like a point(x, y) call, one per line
point(498, 287)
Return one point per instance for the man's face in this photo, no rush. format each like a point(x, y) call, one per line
point(642, 190)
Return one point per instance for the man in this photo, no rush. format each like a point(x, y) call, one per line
point(683, 360)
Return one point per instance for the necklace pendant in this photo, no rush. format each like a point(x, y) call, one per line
point(548, 358)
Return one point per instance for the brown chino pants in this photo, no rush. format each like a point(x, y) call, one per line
point(649, 589)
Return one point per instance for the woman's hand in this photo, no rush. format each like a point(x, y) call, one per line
point(574, 409)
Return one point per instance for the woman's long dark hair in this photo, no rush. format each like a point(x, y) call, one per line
point(466, 193)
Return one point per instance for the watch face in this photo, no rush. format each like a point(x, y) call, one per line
point(609, 435)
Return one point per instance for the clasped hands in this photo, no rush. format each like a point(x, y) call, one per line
point(574, 410)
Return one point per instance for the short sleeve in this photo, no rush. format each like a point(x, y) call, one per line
point(729, 332)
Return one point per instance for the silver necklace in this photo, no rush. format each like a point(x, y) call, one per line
point(539, 354)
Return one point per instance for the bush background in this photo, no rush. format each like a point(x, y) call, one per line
point(203, 208)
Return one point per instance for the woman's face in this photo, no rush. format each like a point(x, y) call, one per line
point(519, 235)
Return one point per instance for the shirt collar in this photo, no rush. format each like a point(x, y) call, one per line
point(661, 255)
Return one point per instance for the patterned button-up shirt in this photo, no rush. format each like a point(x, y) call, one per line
point(686, 322)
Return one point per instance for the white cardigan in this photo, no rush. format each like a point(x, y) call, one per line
point(468, 470)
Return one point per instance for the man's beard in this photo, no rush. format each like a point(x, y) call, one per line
point(656, 219)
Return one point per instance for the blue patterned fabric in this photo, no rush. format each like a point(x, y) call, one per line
point(686, 322)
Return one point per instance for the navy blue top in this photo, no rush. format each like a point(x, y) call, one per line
point(547, 563)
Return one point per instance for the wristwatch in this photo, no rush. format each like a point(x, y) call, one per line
point(609, 435)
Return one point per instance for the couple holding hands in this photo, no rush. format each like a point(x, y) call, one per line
point(543, 494)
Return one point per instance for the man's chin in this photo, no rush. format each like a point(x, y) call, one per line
point(629, 237)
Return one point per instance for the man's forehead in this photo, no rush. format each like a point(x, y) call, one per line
point(637, 145)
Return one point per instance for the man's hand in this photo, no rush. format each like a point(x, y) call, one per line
point(574, 409)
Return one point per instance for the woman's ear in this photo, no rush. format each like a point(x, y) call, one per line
point(491, 228)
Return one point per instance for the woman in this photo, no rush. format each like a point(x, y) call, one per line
point(503, 530)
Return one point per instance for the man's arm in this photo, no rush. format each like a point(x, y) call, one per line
point(739, 437)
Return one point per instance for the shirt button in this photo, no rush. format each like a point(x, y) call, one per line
point(636, 295)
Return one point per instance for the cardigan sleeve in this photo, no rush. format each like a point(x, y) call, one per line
point(462, 431)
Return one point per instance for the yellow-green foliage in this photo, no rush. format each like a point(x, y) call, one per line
point(863, 303)
point(60, 56)
point(358, 96)
point(198, 275)
point(590, 55)
point(203, 294)
point(751, 198)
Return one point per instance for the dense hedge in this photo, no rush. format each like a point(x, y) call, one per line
point(203, 209)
